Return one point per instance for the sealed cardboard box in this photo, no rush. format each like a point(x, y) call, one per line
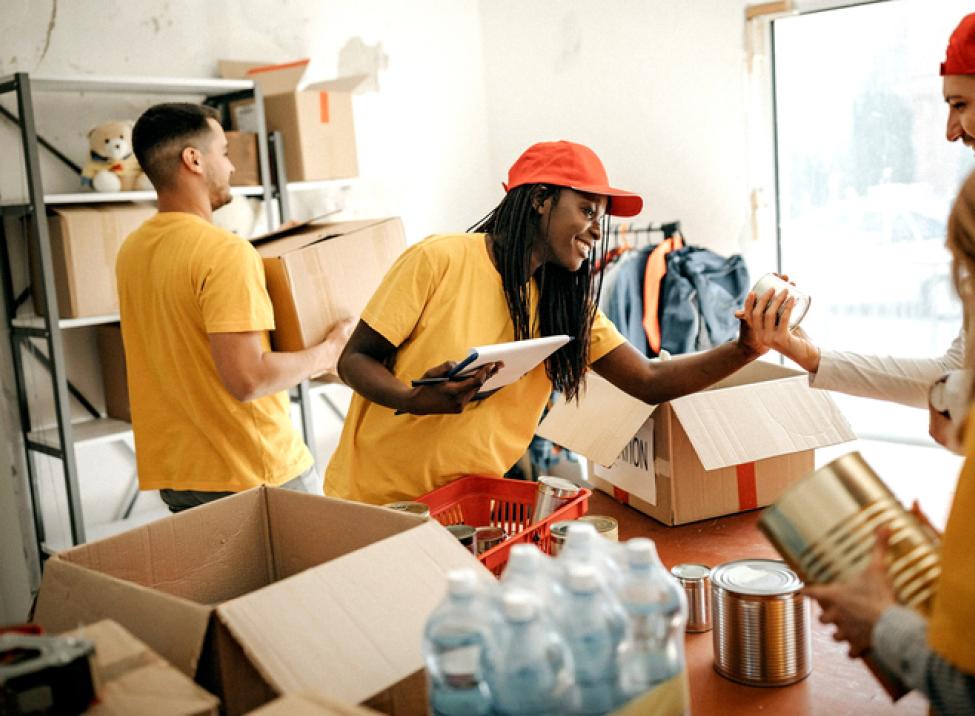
point(733, 447)
point(314, 118)
point(319, 273)
point(111, 356)
point(84, 243)
point(270, 592)
point(242, 152)
point(133, 679)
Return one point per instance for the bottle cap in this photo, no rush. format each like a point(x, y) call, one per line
point(461, 582)
point(583, 578)
point(518, 605)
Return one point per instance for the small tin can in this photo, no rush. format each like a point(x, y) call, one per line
point(487, 537)
point(608, 527)
point(770, 280)
point(464, 535)
point(695, 579)
point(557, 534)
point(553, 492)
point(413, 508)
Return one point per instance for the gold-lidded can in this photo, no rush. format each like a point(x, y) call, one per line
point(411, 508)
point(486, 538)
point(465, 535)
point(695, 579)
point(606, 526)
point(762, 632)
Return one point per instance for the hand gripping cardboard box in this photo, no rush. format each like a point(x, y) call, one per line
point(319, 273)
point(269, 592)
point(133, 679)
point(314, 118)
point(730, 448)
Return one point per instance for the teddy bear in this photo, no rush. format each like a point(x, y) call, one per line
point(111, 165)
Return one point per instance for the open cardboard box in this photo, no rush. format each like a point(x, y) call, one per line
point(270, 592)
point(735, 446)
point(314, 118)
point(319, 273)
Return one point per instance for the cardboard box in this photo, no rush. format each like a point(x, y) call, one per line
point(242, 151)
point(133, 679)
point(309, 704)
point(111, 356)
point(733, 447)
point(84, 243)
point(270, 592)
point(319, 273)
point(314, 118)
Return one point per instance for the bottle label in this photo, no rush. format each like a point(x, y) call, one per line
point(460, 666)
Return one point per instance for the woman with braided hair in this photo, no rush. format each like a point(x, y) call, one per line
point(524, 271)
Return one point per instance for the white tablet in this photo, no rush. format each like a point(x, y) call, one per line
point(519, 357)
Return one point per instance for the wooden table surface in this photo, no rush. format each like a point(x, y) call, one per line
point(837, 685)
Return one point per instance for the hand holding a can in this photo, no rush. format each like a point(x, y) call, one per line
point(772, 312)
point(855, 606)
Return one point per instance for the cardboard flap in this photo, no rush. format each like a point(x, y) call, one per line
point(176, 630)
point(752, 422)
point(351, 627)
point(339, 84)
point(601, 423)
point(281, 241)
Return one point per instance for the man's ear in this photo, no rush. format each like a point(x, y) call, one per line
point(190, 156)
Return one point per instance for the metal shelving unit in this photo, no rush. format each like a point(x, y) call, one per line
point(60, 440)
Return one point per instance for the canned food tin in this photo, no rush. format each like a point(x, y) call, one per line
point(412, 508)
point(802, 301)
point(464, 535)
point(558, 532)
point(553, 492)
point(695, 579)
point(608, 527)
point(761, 623)
point(487, 537)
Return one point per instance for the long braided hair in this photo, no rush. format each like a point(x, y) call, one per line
point(567, 300)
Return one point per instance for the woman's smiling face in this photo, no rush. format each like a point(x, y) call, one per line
point(569, 228)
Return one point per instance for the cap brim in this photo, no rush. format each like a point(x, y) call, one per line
point(621, 202)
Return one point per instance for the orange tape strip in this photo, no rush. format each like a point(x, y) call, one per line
point(622, 496)
point(323, 106)
point(747, 489)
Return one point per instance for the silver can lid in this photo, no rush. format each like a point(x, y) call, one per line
point(690, 572)
point(557, 486)
point(756, 577)
point(465, 533)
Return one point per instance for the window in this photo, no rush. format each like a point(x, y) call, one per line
point(865, 183)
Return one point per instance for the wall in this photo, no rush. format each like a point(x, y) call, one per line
point(655, 86)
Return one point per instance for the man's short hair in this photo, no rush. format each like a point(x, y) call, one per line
point(163, 131)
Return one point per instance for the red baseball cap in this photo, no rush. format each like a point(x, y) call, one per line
point(960, 55)
point(574, 166)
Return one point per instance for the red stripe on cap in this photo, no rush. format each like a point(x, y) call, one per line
point(747, 488)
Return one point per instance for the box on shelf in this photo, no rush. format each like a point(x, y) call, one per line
point(111, 356)
point(270, 592)
point(319, 273)
point(730, 448)
point(242, 152)
point(314, 118)
point(84, 243)
point(131, 678)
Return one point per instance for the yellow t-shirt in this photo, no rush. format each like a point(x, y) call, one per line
point(442, 297)
point(953, 614)
point(180, 278)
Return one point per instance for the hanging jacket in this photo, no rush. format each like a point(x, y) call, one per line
point(699, 295)
point(622, 298)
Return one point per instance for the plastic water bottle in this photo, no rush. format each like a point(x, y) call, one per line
point(653, 649)
point(593, 627)
point(530, 569)
point(583, 545)
point(455, 640)
point(530, 674)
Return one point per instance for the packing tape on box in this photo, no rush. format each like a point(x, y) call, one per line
point(747, 487)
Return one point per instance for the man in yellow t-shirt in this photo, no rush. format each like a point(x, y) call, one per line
point(210, 410)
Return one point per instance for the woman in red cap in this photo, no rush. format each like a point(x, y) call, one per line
point(936, 656)
point(525, 271)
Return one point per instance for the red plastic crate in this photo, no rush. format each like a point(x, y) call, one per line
point(498, 502)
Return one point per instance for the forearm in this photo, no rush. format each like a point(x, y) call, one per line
point(656, 382)
point(277, 371)
point(900, 380)
point(373, 380)
point(900, 643)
